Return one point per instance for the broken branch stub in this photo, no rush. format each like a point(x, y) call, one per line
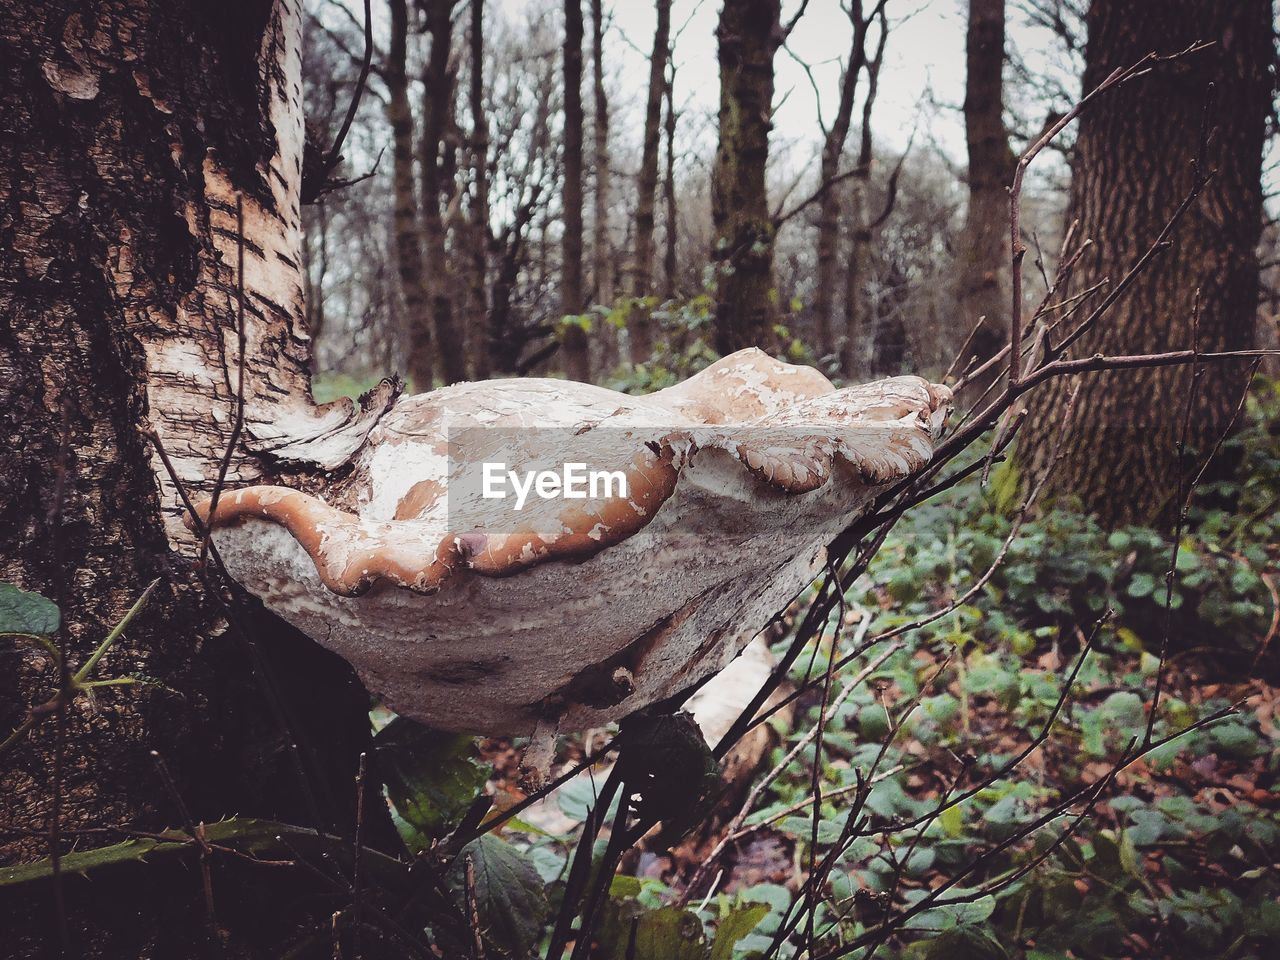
point(580, 606)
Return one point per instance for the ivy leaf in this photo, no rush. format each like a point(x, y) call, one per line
point(25, 612)
point(510, 895)
point(430, 776)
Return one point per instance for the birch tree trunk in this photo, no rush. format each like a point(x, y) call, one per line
point(130, 131)
point(1135, 157)
point(575, 346)
point(639, 319)
point(749, 34)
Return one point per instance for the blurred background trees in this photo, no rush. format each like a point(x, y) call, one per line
point(622, 193)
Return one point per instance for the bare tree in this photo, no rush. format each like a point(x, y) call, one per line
point(438, 161)
point(639, 332)
point(575, 346)
point(601, 244)
point(408, 232)
point(833, 144)
point(671, 221)
point(749, 34)
point(481, 240)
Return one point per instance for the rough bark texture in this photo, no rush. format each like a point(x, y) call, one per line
point(749, 34)
point(408, 233)
point(437, 157)
point(639, 320)
point(1134, 164)
point(130, 128)
point(983, 284)
point(575, 347)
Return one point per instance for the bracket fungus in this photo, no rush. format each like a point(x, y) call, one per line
point(465, 613)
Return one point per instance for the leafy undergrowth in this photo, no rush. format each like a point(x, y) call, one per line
point(1178, 854)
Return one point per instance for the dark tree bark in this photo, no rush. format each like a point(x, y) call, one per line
point(601, 246)
point(749, 34)
point(481, 231)
point(130, 130)
point(983, 283)
point(408, 232)
point(438, 159)
point(1135, 156)
point(574, 345)
point(639, 320)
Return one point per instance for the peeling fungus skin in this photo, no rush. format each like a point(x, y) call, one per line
point(737, 479)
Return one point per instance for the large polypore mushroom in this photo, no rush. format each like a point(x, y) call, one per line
point(466, 613)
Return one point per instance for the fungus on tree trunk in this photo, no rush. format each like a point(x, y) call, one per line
point(468, 615)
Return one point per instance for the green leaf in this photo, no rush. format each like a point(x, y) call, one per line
point(734, 927)
point(430, 776)
point(1141, 585)
point(510, 896)
point(24, 612)
point(668, 933)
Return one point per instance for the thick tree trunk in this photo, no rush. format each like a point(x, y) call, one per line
point(983, 283)
point(130, 132)
point(639, 320)
point(749, 34)
point(481, 231)
point(575, 346)
point(408, 232)
point(437, 159)
point(1135, 158)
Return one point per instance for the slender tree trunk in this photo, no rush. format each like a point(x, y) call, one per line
point(315, 267)
point(748, 34)
point(601, 246)
point(437, 159)
point(130, 131)
point(481, 231)
point(575, 345)
point(408, 233)
point(639, 320)
point(1135, 156)
point(858, 344)
point(671, 221)
point(983, 282)
point(824, 295)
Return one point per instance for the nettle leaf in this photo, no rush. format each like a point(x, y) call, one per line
point(430, 776)
point(511, 897)
point(25, 612)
